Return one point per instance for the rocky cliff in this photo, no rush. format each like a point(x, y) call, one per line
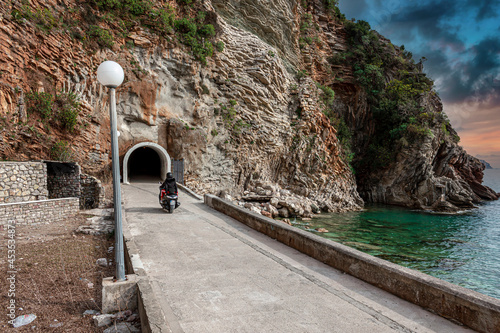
point(254, 119)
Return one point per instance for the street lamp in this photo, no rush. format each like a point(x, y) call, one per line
point(110, 74)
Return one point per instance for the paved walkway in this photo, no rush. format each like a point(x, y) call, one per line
point(210, 273)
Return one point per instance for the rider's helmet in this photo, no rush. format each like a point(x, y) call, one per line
point(169, 175)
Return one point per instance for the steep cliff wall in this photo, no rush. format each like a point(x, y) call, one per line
point(251, 117)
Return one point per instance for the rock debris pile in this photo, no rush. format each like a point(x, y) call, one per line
point(120, 322)
point(100, 222)
point(271, 201)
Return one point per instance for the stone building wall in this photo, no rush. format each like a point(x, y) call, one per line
point(91, 192)
point(63, 180)
point(36, 212)
point(23, 181)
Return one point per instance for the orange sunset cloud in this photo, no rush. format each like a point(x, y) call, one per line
point(478, 124)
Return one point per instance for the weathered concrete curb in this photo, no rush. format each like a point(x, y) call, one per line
point(152, 317)
point(473, 309)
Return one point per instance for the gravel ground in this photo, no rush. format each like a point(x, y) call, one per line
point(57, 276)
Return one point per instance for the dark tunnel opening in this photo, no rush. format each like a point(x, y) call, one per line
point(144, 164)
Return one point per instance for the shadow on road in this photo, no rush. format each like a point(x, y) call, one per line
point(138, 187)
point(146, 210)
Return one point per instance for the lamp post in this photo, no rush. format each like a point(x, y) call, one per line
point(110, 74)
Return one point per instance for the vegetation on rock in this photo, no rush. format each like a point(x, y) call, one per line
point(62, 109)
point(344, 133)
point(395, 87)
point(61, 151)
point(196, 34)
point(101, 23)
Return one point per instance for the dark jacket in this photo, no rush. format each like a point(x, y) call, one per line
point(170, 186)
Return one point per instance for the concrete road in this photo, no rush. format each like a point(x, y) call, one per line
point(209, 273)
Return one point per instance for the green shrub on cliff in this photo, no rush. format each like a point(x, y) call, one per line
point(395, 104)
point(102, 36)
point(40, 102)
point(185, 2)
point(219, 46)
point(67, 109)
point(207, 31)
point(331, 4)
point(44, 19)
point(130, 7)
point(102, 23)
point(186, 26)
point(62, 109)
point(161, 20)
point(196, 36)
point(344, 133)
point(61, 151)
point(327, 95)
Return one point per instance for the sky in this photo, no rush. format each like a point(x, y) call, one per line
point(461, 41)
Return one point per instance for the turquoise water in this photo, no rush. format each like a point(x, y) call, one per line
point(463, 249)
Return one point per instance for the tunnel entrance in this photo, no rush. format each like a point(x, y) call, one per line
point(146, 161)
point(144, 164)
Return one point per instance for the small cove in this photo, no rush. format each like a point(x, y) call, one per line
point(463, 249)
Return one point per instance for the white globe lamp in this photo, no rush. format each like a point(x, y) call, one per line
point(110, 74)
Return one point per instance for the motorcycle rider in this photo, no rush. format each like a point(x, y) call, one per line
point(170, 186)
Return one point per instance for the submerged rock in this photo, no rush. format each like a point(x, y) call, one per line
point(363, 245)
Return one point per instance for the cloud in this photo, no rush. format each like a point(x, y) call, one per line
point(352, 7)
point(486, 58)
point(478, 125)
point(473, 76)
point(486, 8)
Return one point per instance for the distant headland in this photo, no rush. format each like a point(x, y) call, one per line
point(486, 164)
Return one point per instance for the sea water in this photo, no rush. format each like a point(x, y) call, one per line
point(463, 249)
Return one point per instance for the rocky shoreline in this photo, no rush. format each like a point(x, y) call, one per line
point(274, 202)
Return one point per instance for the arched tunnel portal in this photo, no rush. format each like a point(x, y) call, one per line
point(146, 161)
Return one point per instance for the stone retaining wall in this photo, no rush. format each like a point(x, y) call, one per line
point(36, 212)
point(91, 192)
point(473, 309)
point(22, 181)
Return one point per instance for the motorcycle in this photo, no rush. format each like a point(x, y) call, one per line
point(168, 201)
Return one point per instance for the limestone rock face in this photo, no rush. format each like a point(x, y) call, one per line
point(233, 121)
point(254, 133)
point(274, 22)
